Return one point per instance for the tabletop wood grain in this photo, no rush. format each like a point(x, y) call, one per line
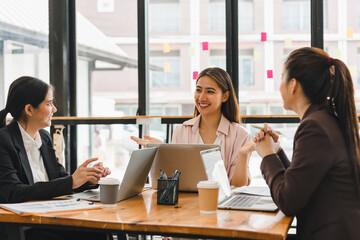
point(142, 214)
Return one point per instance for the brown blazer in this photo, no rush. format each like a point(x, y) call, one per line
point(317, 186)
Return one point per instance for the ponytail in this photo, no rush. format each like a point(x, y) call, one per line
point(342, 104)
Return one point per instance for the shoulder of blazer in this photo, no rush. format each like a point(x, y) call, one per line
point(11, 133)
point(45, 136)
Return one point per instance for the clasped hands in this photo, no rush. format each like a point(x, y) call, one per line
point(266, 142)
point(92, 174)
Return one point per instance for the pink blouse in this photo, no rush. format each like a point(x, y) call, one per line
point(232, 135)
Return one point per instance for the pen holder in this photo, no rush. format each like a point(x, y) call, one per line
point(167, 191)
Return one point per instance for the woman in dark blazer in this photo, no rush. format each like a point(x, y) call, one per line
point(321, 183)
point(29, 169)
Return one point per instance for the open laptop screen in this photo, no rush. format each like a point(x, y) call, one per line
point(215, 171)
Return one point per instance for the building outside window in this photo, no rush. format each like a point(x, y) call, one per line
point(164, 16)
point(296, 15)
point(246, 74)
point(169, 77)
point(217, 16)
point(246, 15)
point(358, 14)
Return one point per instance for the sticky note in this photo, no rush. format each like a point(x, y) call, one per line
point(350, 33)
point(270, 74)
point(191, 51)
point(353, 70)
point(337, 53)
point(166, 47)
point(195, 75)
point(167, 67)
point(288, 43)
point(205, 46)
point(257, 56)
point(263, 36)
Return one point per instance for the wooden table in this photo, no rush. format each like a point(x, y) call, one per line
point(141, 214)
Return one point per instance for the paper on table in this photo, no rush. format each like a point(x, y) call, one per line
point(38, 207)
point(253, 190)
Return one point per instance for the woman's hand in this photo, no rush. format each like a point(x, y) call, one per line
point(247, 148)
point(267, 129)
point(105, 170)
point(265, 144)
point(84, 173)
point(148, 140)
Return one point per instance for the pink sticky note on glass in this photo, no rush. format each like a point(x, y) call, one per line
point(263, 36)
point(205, 46)
point(195, 75)
point(269, 73)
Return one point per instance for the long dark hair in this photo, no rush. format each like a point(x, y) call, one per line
point(328, 81)
point(230, 108)
point(24, 90)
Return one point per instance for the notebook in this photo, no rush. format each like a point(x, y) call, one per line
point(182, 157)
point(134, 178)
point(215, 171)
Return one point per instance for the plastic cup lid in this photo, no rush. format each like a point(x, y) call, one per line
point(109, 181)
point(208, 184)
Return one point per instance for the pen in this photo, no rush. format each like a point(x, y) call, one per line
point(258, 127)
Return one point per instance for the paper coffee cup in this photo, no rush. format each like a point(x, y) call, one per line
point(109, 188)
point(208, 196)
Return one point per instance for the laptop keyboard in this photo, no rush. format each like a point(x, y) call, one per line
point(242, 201)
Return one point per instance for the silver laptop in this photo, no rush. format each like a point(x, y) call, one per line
point(134, 178)
point(215, 170)
point(182, 157)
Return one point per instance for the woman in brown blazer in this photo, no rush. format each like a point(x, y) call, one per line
point(321, 183)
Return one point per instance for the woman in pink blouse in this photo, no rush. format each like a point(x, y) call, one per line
point(217, 121)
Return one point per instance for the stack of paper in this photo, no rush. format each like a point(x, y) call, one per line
point(33, 208)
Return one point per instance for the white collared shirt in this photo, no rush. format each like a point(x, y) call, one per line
point(32, 148)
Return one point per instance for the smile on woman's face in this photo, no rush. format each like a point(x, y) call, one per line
point(208, 96)
point(44, 112)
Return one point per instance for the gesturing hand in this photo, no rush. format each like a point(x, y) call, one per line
point(148, 140)
point(247, 148)
point(84, 173)
point(105, 171)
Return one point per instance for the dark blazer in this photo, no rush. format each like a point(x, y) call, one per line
point(318, 185)
point(16, 180)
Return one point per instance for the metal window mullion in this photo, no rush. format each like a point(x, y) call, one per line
point(317, 23)
point(143, 61)
point(62, 58)
point(232, 42)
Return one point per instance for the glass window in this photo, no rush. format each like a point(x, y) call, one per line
point(358, 13)
point(168, 78)
point(246, 76)
point(257, 109)
point(217, 16)
point(24, 46)
point(296, 15)
point(164, 16)
point(108, 75)
point(246, 15)
point(198, 43)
